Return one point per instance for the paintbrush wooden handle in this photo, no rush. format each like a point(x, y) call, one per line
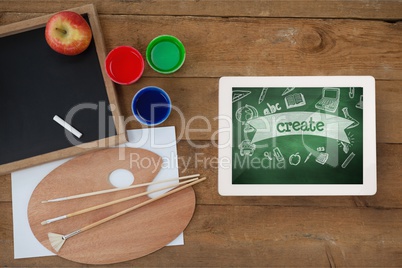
point(82, 211)
point(117, 189)
point(125, 199)
point(92, 225)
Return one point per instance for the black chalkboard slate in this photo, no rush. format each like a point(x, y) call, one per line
point(37, 83)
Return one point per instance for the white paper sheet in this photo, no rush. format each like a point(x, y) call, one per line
point(161, 141)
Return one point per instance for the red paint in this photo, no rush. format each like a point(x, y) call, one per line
point(124, 65)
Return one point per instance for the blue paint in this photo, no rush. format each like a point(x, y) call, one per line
point(151, 105)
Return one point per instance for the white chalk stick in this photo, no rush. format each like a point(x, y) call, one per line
point(67, 126)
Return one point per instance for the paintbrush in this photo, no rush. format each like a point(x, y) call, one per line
point(58, 240)
point(117, 189)
point(79, 212)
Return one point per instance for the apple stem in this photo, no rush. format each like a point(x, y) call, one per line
point(61, 30)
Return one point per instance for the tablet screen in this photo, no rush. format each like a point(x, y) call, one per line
point(297, 135)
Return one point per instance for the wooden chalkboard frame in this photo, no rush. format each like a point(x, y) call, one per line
point(120, 137)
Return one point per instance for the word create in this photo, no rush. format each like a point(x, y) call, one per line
point(310, 126)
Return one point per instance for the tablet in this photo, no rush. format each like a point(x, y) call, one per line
point(297, 136)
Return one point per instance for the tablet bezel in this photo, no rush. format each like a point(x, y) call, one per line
point(225, 186)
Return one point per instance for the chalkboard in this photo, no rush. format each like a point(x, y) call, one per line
point(37, 83)
point(309, 133)
point(295, 139)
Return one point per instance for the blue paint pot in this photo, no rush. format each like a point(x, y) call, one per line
point(151, 106)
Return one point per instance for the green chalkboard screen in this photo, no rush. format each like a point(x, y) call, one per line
point(300, 135)
point(304, 132)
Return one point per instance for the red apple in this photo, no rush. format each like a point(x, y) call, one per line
point(68, 33)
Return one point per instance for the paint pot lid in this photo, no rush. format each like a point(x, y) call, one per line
point(124, 65)
point(165, 54)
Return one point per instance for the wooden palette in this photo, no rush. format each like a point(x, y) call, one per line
point(127, 237)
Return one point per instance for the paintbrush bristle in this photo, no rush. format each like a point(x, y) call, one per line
point(56, 240)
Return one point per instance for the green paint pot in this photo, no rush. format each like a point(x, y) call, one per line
point(165, 54)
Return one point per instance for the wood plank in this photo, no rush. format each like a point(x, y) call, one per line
point(259, 236)
point(196, 109)
point(389, 110)
point(386, 9)
point(249, 46)
point(205, 161)
point(264, 235)
point(7, 245)
point(5, 188)
point(193, 160)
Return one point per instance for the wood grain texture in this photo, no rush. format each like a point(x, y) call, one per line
point(256, 236)
point(386, 9)
point(5, 188)
point(269, 46)
point(295, 37)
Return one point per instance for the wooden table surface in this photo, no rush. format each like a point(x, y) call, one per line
point(265, 38)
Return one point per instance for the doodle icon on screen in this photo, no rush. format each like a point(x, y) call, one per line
point(360, 103)
point(346, 146)
point(243, 114)
point(278, 155)
point(351, 92)
point(330, 99)
point(322, 158)
point(295, 100)
point(308, 157)
point(246, 148)
point(268, 155)
point(272, 108)
point(348, 159)
point(347, 116)
point(262, 95)
point(294, 159)
point(288, 90)
point(239, 94)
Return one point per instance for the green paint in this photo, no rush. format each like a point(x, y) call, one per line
point(165, 55)
point(297, 138)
